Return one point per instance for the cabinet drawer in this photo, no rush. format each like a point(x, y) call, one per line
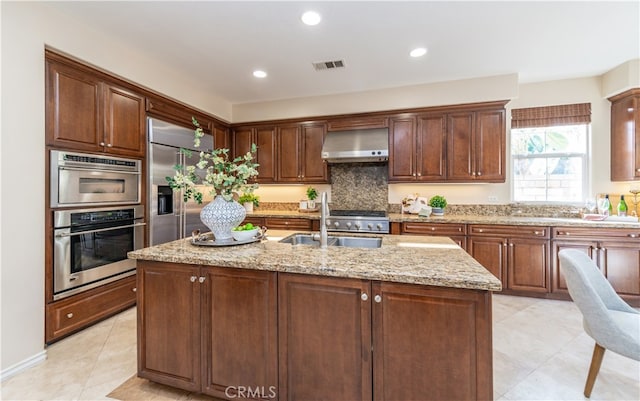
point(433, 229)
point(275, 223)
point(256, 221)
point(595, 233)
point(80, 311)
point(509, 231)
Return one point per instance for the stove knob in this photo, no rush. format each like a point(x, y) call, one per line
point(348, 224)
point(357, 226)
point(328, 223)
point(370, 226)
point(336, 224)
point(379, 226)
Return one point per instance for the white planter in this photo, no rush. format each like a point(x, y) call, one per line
point(222, 216)
point(311, 204)
point(248, 206)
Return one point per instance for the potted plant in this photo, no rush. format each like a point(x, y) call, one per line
point(312, 194)
point(225, 176)
point(249, 200)
point(438, 203)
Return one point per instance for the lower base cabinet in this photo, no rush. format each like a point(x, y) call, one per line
point(235, 333)
point(208, 330)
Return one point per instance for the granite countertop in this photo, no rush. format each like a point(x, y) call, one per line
point(425, 260)
point(468, 219)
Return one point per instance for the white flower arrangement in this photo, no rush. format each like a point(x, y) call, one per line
point(225, 177)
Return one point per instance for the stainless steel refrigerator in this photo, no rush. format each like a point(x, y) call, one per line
point(170, 218)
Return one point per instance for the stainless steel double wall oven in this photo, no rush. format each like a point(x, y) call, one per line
point(91, 240)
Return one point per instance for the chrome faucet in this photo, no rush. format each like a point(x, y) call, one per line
point(324, 213)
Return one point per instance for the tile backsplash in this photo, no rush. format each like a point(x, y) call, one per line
point(362, 186)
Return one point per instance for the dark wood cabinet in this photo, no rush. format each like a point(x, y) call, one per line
point(517, 255)
point(417, 148)
point(76, 312)
point(358, 122)
point(204, 329)
point(625, 136)
point(457, 232)
point(299, 153)
point(264, 137)
point(476, 146)
point(425, 336)
point(615, 251)
point(87, 113)
point(324, 338)
point(281, 223)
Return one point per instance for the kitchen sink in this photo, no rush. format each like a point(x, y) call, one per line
point(349, 242)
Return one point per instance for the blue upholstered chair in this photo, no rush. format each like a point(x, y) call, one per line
point(612, 323)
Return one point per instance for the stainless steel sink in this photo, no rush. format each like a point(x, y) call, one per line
point(349, 242)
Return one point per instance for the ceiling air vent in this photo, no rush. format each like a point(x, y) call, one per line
point(328, 65)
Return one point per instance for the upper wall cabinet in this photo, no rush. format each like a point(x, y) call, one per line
point(625, 136)
point(341, 124)
point(476, 146)
point(417, 148)
point(265, 139)
point(85, 112)
point(299, 153)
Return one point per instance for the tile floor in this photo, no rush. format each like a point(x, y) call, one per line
point(540, 353)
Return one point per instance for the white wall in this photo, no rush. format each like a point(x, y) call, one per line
point(26, 28)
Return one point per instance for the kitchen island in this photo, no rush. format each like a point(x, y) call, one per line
point(409, 320)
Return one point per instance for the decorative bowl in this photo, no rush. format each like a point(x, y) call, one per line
point(244, 234)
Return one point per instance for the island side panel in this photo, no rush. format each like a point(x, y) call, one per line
point(431, 343)
point(324, 338)
point(169, 324)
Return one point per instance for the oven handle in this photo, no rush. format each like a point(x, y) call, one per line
point(99, 230)
point(101, 170)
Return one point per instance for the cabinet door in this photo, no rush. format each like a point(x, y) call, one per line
point(242, 140)
point(430, 148)
point(558, 283)
point(460, 128)
point(240, 332)
point(528, 265)
point(125, 122)
point(324, 338)
point(415, 326)
point(625, 141)
point(74, 108)
point(620, 263)
point(402, 149)
point(221, 137)
point(489, 147)
point(288, 154)
point(313, 168)
point(266, 156)
point(169, 313)
point(490, 252)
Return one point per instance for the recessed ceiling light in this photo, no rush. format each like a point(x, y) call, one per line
point(311, 18)
point(259, 74)
point(418, 52)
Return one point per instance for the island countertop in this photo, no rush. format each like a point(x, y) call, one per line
point(423, 260)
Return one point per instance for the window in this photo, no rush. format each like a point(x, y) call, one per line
point(549, 152)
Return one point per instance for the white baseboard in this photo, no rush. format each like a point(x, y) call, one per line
point(23, 365)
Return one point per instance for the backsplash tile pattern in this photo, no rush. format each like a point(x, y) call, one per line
point(513, 209)
point(362, 186)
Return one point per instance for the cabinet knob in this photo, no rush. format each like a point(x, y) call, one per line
point(134, 289)
point(480, 230)
point(193, 279)
point(638, 170)
point(536, 233)
point(109, 145)
point(201, 279)
point(69, 315)
point(364, 296)
point(433, 229)
point(377, 298)
point(632, 235)
point(101, 143)
point(414, 174)
point(473, 174)
point(479, 173)
point(419, 174)
point(510, 243)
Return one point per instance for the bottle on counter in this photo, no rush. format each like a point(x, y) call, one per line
point(622, 207)
point(606, 206)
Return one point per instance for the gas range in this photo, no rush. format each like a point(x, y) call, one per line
point(365, 221)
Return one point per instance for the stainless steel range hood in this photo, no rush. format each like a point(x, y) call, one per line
point(360, 145)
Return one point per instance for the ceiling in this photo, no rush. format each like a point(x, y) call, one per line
point(221, 43)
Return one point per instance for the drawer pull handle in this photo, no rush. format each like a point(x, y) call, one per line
point(69, 315)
